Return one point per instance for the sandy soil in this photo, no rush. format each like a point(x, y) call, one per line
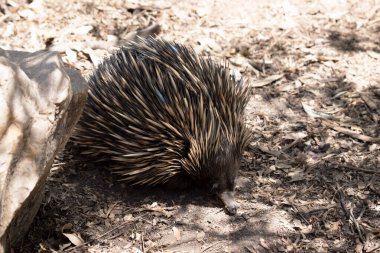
point(309, 181)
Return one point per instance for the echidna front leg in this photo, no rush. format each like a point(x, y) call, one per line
point(229, 201)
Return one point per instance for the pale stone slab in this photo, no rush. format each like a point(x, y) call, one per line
point(40, 103)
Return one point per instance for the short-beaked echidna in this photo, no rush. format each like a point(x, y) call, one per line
point(161, 114)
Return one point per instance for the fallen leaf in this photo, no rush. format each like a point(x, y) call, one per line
point(64, 246)
point(67, 226)
point(307, 229)
point(83, 29)
point(177, 233)
point(71, 55)
point(128, 217)
point(359, 247)
point(333, 227)
point(26, 13)
point(200, 236)
point(74, 238)
point(296, 135)
point(264, 244)
point(296, 174)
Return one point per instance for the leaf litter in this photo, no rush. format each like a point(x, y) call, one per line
point(310, 177)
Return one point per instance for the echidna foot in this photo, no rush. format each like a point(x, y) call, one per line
point(229, 202)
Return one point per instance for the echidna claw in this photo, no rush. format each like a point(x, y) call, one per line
point(229, 202)
point(232, 210)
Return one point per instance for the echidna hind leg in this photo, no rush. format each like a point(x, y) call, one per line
point(229, 201)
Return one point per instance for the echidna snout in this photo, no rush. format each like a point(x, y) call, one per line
point(226, 166)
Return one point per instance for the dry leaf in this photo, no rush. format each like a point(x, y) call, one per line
point(373, 147)
point(200, 236)
point(264, 244)
point(128, 217)
point(67, 226)
point(71, 55)
point(307, 229)
point(83, 29)
point(296, 174)
point(27, 13)
point(74, 238)
point(177, 233)
point(333, 227)
point(359, 247)
point(296, 135)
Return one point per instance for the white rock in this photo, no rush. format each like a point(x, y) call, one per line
point(40, 102)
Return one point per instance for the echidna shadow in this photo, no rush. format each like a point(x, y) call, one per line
point(159, 114)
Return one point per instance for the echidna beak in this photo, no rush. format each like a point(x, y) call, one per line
point(229, 202)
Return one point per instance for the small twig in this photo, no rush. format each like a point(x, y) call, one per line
point(115, 236)
point(339, 166)
point(111, 208)
point(163, 210)
point(266, 81)
point(341, 201)
point(295, 142)
point(315, 114)
point(300, 214)
point(250, 249)
point(350, 216)
point(350, 133)
point(142, 243)
point(319, 209)
point(357, 226)
point(361, 212)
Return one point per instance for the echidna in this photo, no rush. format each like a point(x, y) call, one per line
point(161, 114)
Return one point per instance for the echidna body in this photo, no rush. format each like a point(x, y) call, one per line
point(161, 114)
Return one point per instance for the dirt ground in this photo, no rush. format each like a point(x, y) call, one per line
point(309, 181)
